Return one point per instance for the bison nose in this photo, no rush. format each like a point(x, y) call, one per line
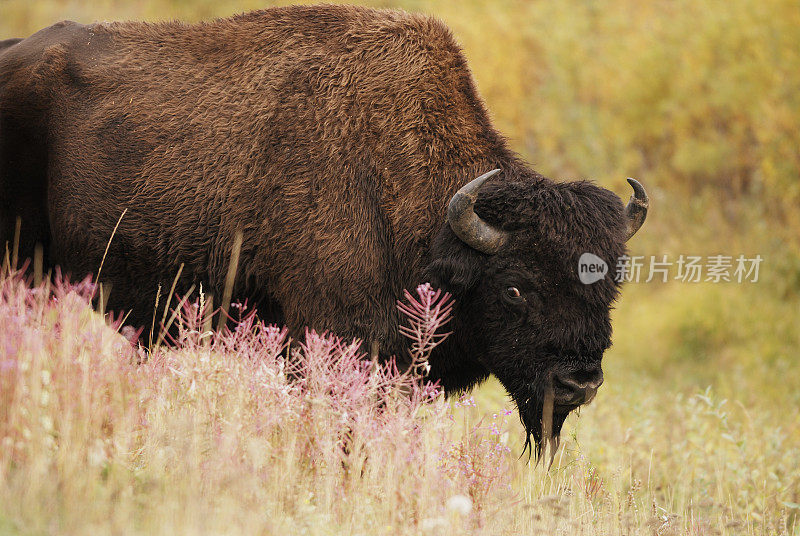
point(577, 387)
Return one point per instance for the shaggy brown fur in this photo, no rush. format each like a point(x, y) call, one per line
point(332, 138)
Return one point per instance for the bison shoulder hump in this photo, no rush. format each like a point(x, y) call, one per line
point(63, 52)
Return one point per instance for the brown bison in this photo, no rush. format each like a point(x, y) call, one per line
point(342, 144)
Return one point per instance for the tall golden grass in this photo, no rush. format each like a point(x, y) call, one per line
point(212, 436)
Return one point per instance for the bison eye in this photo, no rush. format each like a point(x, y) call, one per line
point(513, 293)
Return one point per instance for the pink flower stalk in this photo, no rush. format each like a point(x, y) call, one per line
point(426, 314)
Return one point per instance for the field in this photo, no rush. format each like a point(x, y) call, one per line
point(696, 429)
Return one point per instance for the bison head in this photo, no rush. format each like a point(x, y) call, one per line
point(510, 255)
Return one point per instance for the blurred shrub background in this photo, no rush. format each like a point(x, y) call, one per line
point(698, 99)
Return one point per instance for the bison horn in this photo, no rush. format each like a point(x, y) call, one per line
point(636, 209)
point(467, 225)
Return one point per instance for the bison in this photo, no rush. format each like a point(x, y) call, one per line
point(342, 144)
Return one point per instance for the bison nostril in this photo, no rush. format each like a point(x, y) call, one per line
point(582, 379)
point(577, 387)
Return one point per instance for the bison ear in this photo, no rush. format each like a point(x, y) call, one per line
point(455, 267)
point(453, 275)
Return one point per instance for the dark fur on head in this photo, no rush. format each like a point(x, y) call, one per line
point(562, 325)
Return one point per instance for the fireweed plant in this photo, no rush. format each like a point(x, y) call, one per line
point(239, 415)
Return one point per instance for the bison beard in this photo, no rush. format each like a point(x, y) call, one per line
point(342, 144)
point(539, 415)
point(532, 417)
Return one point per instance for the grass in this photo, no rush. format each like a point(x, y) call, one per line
point(211, 436)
